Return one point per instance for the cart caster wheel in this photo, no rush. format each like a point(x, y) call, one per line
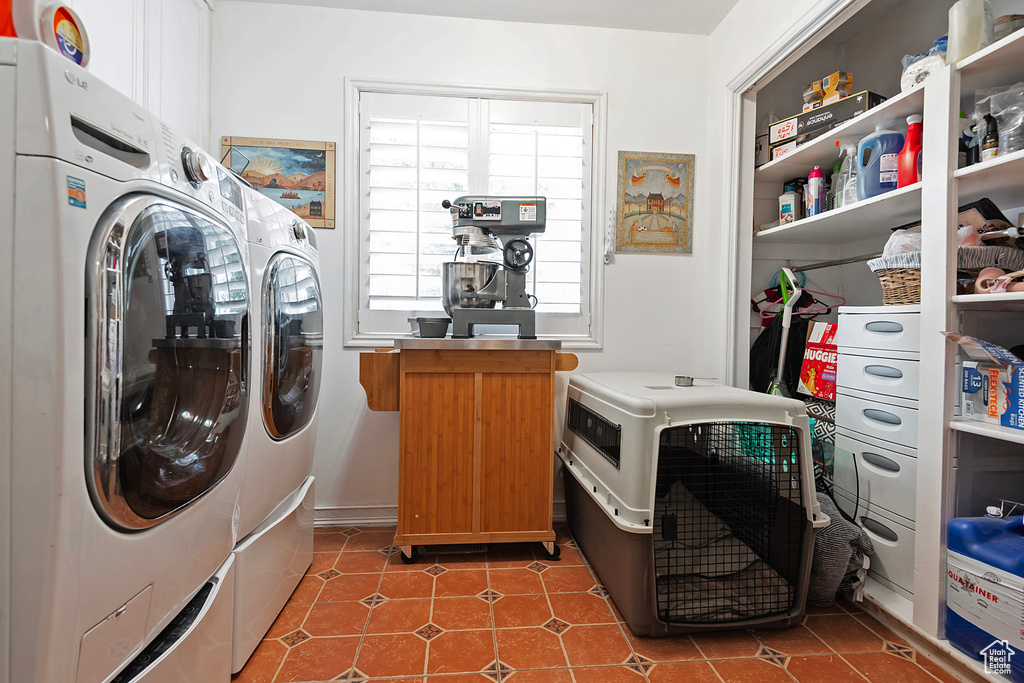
point(411, 557)
point(552, 555)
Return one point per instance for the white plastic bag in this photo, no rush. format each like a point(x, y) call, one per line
point(916, 68)
point(902, 242)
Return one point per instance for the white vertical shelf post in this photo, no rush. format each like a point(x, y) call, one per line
point(938, 268)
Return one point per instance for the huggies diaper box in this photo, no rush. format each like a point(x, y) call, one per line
point(991, 383)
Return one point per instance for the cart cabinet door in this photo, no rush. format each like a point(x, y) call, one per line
point(437, 453)
point(168, 354)
point(516, 452)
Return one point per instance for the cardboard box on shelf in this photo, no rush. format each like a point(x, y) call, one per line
point(812, 96)
point(824, 118)
point(779, 151)
point(836, 86)
point(981, 390)
point(991, 383)
point(818, 370)
point(761, 155)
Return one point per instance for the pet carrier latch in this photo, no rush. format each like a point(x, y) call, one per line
point(669, 527)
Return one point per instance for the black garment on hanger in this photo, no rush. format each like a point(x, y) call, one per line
point(764, 355)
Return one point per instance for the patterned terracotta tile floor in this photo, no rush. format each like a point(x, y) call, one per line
point(361, 614)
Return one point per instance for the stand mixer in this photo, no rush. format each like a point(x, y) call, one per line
point(484, 226)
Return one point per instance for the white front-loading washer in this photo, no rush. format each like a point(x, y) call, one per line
point(277, 505)
point(125, 343)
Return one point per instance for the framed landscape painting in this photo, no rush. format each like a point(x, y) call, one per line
point(655, 203)
point(298, 174)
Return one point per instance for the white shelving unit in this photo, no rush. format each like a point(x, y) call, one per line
point(987, 430)
point(1008, 300)
point(823, 150)
point(998, 64)
point(999, 179)
point(874, 217)
point(946, 444)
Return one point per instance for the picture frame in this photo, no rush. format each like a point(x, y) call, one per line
point(298, 174)
point(655, 203)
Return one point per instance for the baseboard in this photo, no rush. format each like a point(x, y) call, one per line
point(381, 515)
point(356, 515)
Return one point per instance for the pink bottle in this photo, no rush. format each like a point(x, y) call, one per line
point(815, 192)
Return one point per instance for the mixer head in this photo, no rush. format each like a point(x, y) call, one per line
point(496, 215)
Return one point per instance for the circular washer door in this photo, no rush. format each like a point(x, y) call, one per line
point(293, 344)
point(169, 347)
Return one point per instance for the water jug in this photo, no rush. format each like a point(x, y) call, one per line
point(985, 589)
point(878, 162)
point(970, 29)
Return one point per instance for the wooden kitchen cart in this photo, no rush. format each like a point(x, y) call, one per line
point(476, 443)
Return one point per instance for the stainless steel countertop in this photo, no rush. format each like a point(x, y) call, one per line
point(479, 344)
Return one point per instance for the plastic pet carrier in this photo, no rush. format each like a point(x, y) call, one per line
point(695, 505)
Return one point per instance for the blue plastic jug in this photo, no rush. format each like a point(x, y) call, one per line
point(878, 162)
point(985, 561)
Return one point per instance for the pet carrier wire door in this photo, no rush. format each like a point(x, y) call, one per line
point(705, 516)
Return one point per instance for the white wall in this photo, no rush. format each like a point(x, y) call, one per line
point(157, 52)
point(751, 28)
point(278, 72)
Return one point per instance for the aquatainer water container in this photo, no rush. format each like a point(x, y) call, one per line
point(878, 162)
point(985, 587)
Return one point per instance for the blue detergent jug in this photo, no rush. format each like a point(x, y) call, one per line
point(985, 590)
point(878, 162)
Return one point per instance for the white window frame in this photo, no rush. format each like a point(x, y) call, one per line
point(352, 220)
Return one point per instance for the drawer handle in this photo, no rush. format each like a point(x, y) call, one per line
point(884, 371)
point(884, 327)
point(879, 529)
point(881, 462)
point(882, 416)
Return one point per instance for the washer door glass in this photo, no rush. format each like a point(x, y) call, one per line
point(172, 350)
point(293, 347)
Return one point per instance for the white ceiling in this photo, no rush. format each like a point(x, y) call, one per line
point(671, 16)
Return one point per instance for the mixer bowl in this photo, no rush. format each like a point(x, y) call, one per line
point(458, 277)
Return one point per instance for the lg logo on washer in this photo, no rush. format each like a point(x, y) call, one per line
point(75, 80)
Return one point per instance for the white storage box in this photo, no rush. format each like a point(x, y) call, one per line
point(661, 478)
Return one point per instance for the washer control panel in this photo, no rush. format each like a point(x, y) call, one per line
point(197, 167)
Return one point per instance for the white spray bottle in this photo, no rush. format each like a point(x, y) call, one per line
point(846, 195)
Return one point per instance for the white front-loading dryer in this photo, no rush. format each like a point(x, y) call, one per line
point(126, 322)
point(277, 506)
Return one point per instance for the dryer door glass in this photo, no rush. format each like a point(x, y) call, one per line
point(172, 350)
point(293, 346)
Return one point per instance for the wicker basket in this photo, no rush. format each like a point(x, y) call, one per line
point(900, 286)
point(900, 275)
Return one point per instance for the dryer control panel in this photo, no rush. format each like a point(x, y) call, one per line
point(189, 169)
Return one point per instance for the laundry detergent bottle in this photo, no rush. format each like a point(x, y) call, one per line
point(910, 156)
point(985, 590)
point(878, 162)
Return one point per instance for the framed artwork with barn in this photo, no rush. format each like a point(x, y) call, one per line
point(298, 174)
point(655, 203)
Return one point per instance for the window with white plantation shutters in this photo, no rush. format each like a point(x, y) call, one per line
point(417, 150)
point(546, 161)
